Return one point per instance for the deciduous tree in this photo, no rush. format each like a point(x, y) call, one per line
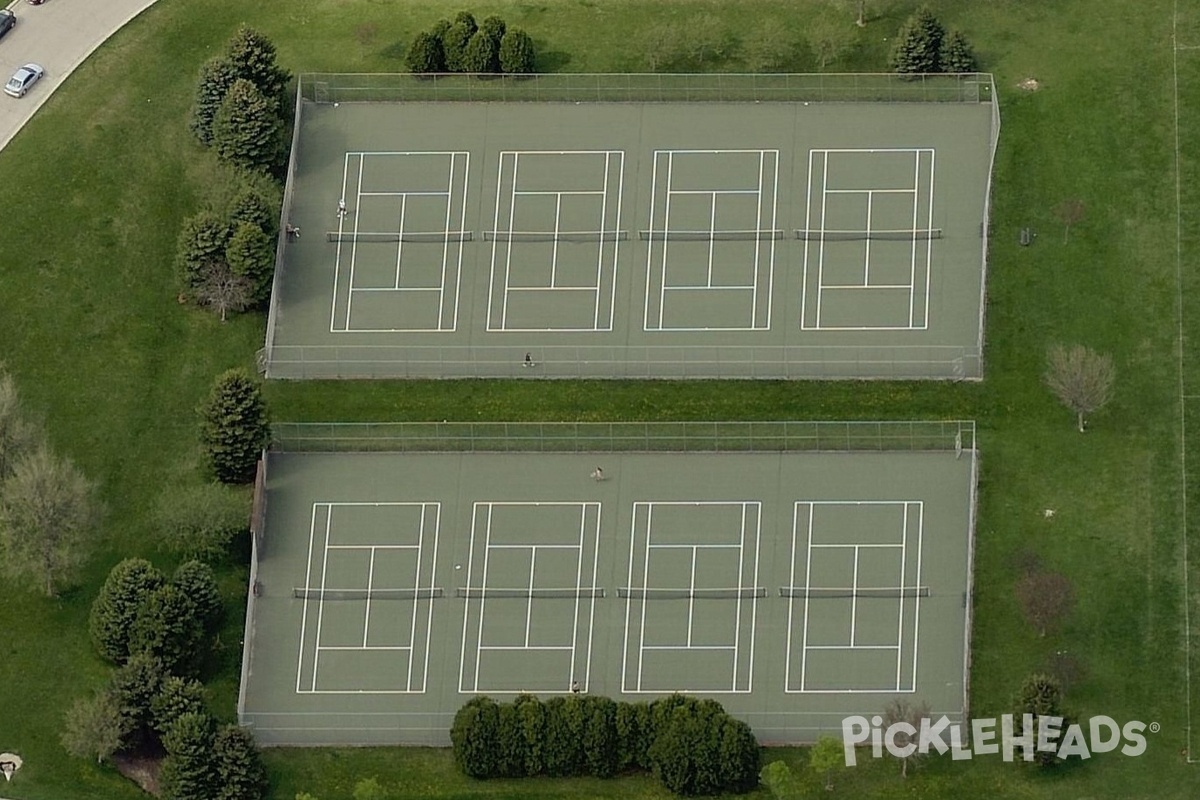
point(482, 54)
point(826, 757)
point(455, 40)
point(1081, 378)
point(200, 521)
point(92, 728)
point(516, 53)
point(224, 291)
point(47, 511)
point(1045, 598)
point(902, 711)
point(1070, 212)
point(18, 435)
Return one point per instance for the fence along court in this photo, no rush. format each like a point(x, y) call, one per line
point(392, 586)
point(730, 230)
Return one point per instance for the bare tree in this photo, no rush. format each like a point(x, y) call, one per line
point(902, 711)
point(1081, 378)
point(1069, 212)
point(223, 290)
point(94, 727)
point(862, 13)
point(46, 512)
point(829, 40)
point(18, 435)
point(1045, 597)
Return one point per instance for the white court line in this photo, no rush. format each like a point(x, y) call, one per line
point(487, 549)
point(737, 622)
point(929, 243)
point(554, 243)
point(363, 649)
point(905, 287)
point(680, 287)
point(523, 647)
point(372, 546)
point(859, 647)
point(405, 194)
point(854, 596)
point(712, 237)
point(495, 243)
point(645, 586)
point(719, 546)
point(321, 600)
point(578, 585)
point(312, 532)
point(851, 544)
point(560, 193)
point(462, 656)
point(913, 190)
point(353, 244)
point(650, 252)
point(370, 584)
point(917, 607)
point(529, 601)
point(821, 252)
point(912, 274)
point(662, 295)
point(715, 192)
point(900, 615)
point(787, 659)
point(691, 597)
point(587, 677)
point(527, 546)
point(867, 264)
point(691, 647)
point(402, 152)
point(807, 599)
point(804, 281)
point(337, 258)
point(512, 217)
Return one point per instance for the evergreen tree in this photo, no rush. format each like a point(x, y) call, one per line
point(253, 58)
point(425, 56)
point(516, 53)
point(493, 27)
point(247, 130)
point(198, 585)
point(134, 687)
point(188, 770)
point(241, 774)
point(254, 206)
point(201, 244)
point(957, 55)
point(116, 607)
point(168, 629)
point(176, 696)
point(475, 737)
point(482, 55)
point(919, 44)
point(234, 427)
point(531, 717)
point(455, 40)
point(216, 76)
point(250, 253)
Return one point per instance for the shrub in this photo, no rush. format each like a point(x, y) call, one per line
point(176, 696)
point(188, 770)
point(116, 607)
point(531, 716)
point(699, 749)
point(600, 736)
point(168, 629)
point(513, 747)
point(240, 772)
point(493, 27)
point(919, 44)
point(234, 427)
point(1041, 696)
point(251, 254)
point(247, 130)
point(93, 727)
point(475, 737)
point(254, 205)
point(632, 722)
point(201, 244)
point(564, 736)
point(516, 53)
point(739, 755)
point(425, 55)
point(482, 54)
point(455, 40)
point(200, 522)
point(198, 585)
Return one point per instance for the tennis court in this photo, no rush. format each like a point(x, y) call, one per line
point(635, 239)
point(795, 587)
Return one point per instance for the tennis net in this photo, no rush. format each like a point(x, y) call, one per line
point(847, 591)
point(564, 593)
point(731, 593)
point(555, 236)
point(710, 235)
point(367, 594)
point(433, 237)
point(902, 235)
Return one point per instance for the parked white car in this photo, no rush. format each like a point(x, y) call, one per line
point(22, 79)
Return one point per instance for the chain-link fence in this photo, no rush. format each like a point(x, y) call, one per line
point(613, 437)
point(971, 87)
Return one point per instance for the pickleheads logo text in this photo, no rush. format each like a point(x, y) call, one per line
point(1100, 734)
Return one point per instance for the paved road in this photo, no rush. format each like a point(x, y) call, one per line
point(59, 35)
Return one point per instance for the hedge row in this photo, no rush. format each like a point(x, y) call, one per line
point(691, 745)
point(464, 46)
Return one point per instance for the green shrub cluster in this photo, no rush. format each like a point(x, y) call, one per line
point(923, 46)
point(691, 745)
point(462, 45)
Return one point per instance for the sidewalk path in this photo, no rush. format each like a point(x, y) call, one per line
point(59, 35)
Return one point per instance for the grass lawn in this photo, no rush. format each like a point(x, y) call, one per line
point(90, 328)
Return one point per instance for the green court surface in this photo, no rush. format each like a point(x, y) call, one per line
point(634, 239)
point(795, 588)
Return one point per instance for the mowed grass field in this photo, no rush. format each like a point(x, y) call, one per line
point(95, 189)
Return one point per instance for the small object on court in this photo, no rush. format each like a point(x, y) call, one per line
point(341, 211)
point(529, 360)
point(458, 566)
point(597, 474)
point(575, 687)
